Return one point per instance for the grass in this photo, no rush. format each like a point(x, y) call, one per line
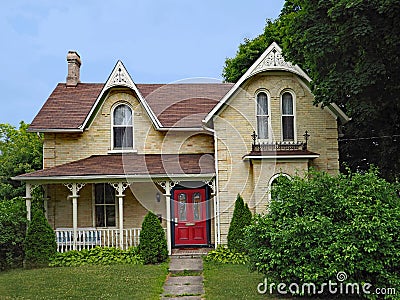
point(87, 282)
point(228, 281)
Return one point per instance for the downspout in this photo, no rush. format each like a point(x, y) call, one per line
point(216, 194)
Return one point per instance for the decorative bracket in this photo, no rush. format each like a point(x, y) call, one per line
point(120, 187)
point(211, 184)
point(74, 188)
point(167, 185)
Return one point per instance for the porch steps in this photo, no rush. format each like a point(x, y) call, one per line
point(190, 253)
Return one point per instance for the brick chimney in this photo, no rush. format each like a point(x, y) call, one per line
point(74, 64)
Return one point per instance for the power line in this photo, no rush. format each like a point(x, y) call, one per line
point(393, 137)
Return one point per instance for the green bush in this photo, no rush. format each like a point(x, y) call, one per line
point(152, 242)
point(328, 224)
point(12, 233)
point(225, 255)
point(40, 241)
point(97, 256)
point(240, 219)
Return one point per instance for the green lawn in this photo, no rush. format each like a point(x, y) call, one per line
point(88, 282)
point(228, 281)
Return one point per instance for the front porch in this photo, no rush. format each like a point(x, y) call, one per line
point(102, 200)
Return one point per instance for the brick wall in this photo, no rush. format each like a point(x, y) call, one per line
point(235, 125)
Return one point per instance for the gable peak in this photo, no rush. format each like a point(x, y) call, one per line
point(272, 59)
point(119, 77)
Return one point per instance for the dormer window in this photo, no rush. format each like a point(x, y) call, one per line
point(262, 116)
point(122, 128)
point(287, 117)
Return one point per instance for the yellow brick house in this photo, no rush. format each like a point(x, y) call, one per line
point(115, 150)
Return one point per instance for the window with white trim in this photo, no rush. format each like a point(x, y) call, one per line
point(287, 116)
point(277, 178)
point(122, 128)
point(262, 116)
point(105, 205)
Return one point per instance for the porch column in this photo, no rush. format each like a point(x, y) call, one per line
point(168, 205)
point(74, 188)
point(167, 186)
point(120, 187)
point(28, 200)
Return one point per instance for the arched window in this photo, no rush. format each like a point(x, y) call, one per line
point(262, 116)
point(122, 127)
point(287, 117)
point(277, 178)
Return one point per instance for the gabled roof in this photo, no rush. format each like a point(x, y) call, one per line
point(127, 166)
point(169, 106)
point(271, 60)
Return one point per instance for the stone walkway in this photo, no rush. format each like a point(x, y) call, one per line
point(185, 280)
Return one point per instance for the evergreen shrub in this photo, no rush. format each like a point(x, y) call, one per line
point(153, 243)
point(241, 218)
point(40, 242)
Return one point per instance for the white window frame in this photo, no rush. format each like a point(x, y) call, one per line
point(94, 207)
point(293, 115)
point(131, 149)
point(271, 181)
point(269, 139)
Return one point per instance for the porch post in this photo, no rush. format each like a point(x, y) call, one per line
point(120, 187)
point(168, 205)
point(28, 200)
point(74, 188)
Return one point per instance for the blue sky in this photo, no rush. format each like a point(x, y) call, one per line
point(158, 42)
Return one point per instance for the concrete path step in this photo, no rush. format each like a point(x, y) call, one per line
point(184, 286)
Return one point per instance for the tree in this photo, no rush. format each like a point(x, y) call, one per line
point(20, 152)
point(40, 242)
point(350, 49)
point(240, 219)
point(323, 225)
point(12, 233)
point(152, 241)
point(250, 50)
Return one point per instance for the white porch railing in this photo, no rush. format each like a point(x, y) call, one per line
point(92, 237)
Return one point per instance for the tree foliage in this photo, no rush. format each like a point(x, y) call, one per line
point(40, 242)
point(20, 152)
point(350, 49)
point(240, 219)
point(12, 233)
point(152, 242)
point(326, 224)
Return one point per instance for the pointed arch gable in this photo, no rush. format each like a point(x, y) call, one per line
point(271, 60)
point(119, 77)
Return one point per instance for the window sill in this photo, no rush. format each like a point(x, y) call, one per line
point(122, 151)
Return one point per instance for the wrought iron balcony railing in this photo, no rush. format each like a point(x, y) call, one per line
point(259, 146)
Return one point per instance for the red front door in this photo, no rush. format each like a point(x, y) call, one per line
point(190, 217)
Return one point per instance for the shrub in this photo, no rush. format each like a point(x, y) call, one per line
point(240, 219)
point(153, 244)
point(225, 255)
point(97, 256)
point(328, 224)
point(40, 241)
point(12, 233)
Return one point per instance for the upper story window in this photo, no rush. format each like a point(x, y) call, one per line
point(122, 128)
point(262, 116)
point(287, 117)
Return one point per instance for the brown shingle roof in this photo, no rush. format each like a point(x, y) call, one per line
point(130, 165)
point(179, 105)
point(67, 107)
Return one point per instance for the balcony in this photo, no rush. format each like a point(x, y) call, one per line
point(259, 146)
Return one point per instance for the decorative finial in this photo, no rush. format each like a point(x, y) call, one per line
point(254, 137)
